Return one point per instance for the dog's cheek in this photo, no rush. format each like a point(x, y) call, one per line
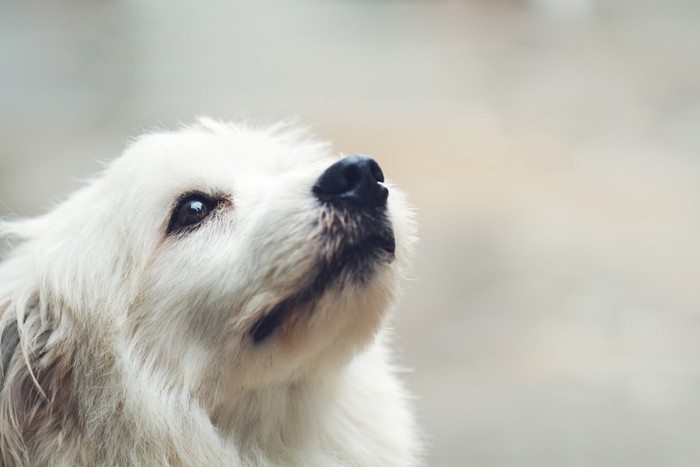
point(182, 288)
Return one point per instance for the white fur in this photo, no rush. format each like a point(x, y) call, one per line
point(134, 346)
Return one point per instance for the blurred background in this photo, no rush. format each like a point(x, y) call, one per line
point(551, 147)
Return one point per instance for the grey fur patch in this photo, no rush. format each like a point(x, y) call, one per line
point(9, 340)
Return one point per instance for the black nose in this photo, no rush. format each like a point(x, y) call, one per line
point(354, 180)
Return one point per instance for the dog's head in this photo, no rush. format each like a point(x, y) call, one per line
point(229, 252)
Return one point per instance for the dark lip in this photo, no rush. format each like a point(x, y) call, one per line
point(272, 320)
point(382, 242)
point(375, 248)
point(343, 257)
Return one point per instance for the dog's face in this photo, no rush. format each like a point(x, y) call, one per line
point(239, 256)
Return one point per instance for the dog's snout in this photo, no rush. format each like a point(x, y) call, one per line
point(355, 180)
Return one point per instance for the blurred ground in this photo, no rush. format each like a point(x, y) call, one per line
point(550, 146)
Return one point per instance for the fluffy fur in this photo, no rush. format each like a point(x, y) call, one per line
point(121, 344)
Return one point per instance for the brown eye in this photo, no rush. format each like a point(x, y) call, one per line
point(191, 211)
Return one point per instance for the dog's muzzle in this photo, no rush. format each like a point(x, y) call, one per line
point(355, 237)
point(354, 196)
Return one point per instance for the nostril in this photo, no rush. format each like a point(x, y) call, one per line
point(354, 180)
point(376, 171)
point(337, 179)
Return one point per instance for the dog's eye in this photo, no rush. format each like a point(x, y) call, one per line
point(190, 211)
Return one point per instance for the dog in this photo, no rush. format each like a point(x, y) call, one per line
point(218, 296)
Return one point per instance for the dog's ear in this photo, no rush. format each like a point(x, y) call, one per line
point(31, 359)
point(14, 372)
point(34, 376)
point(9, 340)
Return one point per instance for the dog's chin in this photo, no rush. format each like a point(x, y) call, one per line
point(345, 267)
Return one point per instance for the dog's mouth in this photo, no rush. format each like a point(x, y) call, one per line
point(385, 243)
point(349, 250)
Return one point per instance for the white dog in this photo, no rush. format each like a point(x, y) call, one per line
point(215, 298)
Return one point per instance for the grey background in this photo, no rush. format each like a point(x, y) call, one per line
point(551, 148)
